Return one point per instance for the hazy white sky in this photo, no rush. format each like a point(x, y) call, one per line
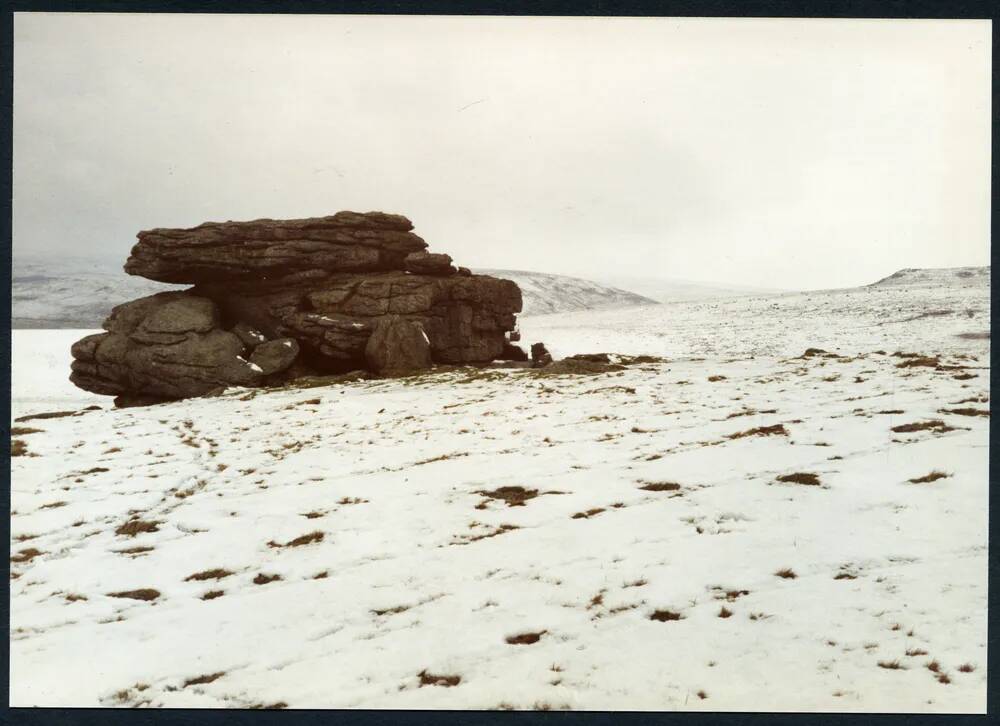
point(777, 153)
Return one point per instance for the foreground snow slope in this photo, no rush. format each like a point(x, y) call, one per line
point(337, 547)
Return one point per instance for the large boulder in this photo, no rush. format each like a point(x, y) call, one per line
point(165, 346)
point(398, 346)
point(217, 251)
point(276, 299)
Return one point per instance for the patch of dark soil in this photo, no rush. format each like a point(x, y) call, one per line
point(776, 430)
point(800, 478)
point(217, 574)
point(24, 430)
point(818, 353)
point(935, 425)
point(26, 555)
point(660, 486)
point(927, 478)
point(146, 593)
point(55, 414)
point(929, 362)
point(136, 526)
point(201, 680)
point(262, 579)
point(967, 411)
point(300, 541)
point(664, 616)
point(525, 638)
point(433, 679)
point(514, 496)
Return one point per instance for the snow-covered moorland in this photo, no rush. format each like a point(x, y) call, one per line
point(737, 526)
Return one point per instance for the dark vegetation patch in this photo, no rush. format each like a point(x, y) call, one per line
point(588, 514)
point(26, 555)
point(262, 579)
point(890, 411)
point(502, 529)
point(54, 414)
point(352, 500)
point(776, 430)
point(933, 667)
point(715, 379)
point(217, 574)
point(664, 616)
point(145, 593)
point(964, 376)
point(786, 574)
point(72, 597)
point(928, 362)
point(24, 430)
point(927, 478)
point(392, 611)
point(701, 694)
point(751, 412)
point(201, 680)
point(966, 411)
point(660, 486)
point(525, 638)
point(300, 541)
point(845, 576)
point(134, 551)
point(725, 612)
point(277, 706)
point(313, 515)
point(722, 593)
point(800, 478)
point(136, 526)
point(915, 652)
point(18, 447)
point(974, 336)
point(893, 665)
point(817, 353)
point(514, 496)
point(966, 668)
point(212, 594)
point(434, 679)
point(936, 425)
point(53, 505)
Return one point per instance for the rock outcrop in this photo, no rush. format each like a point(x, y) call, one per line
point(278, 299)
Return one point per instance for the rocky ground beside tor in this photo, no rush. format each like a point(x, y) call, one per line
point(739, 524)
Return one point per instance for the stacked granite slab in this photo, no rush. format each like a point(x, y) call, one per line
point(272, 300)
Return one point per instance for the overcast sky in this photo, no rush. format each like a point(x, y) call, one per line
point(775, 153)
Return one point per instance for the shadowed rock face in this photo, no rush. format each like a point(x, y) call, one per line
point(277, 299)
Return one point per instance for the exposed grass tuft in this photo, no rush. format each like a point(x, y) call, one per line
point(433, 679)
point(217, 574)
point(525, 638)
point(300, 541)
point(927, 478)
point(146, 593)
point(786, 574)
point(136, 526)
point(664, 616)
point(776, 430)
point(800, 478)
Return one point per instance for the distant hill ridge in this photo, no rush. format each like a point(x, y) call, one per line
point(545, 293)
point(937, 276)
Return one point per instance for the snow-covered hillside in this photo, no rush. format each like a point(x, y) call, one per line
point(939, 277)
point(544, 293)
point(737, 526)
point(673, 290)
